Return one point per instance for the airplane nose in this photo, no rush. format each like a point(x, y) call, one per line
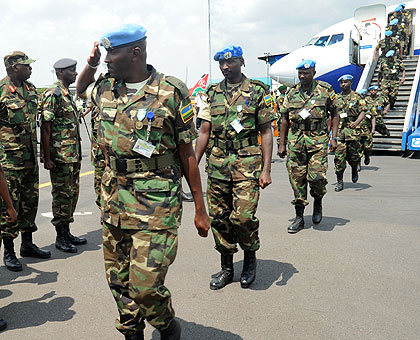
point(284, 72)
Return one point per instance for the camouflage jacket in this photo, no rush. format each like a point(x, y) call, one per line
point(403, 16)
point(366, 123)
point(140, 192)
point(59, 108)
point(349, 108)
point(18, 108)
point(236, 155)
point(390, 70)
point(96, 155)
point(387, 44)
point(379, 102)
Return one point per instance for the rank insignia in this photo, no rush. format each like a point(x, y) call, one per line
point(65, 92)
point(187, 113)
point(332, 95)
point(268, 100)
point(141, 113)
point(12, 89)
point(106, 43)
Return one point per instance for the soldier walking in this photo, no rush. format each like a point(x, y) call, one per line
point(387, 44)
point(235, 110)
point(381, 107)
point(305, 112)
point(367, 127)
point(18, 108)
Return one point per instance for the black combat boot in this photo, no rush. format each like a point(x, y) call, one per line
point(298, 223)
point(61, 241)
point(29, 249)
point(249, 270)
point(137, 336)
point(354, 174)
point(3, 325)
point(173, 332)
point(74, 239)
point(225, 276)
point(367, 159)
point(10, 260)
point(340, 184)
point(359, 166)
point(317, 213)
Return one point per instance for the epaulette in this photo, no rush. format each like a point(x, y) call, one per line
point(324, 84)
point(259, 82)
point(57, 91)
point(179, 84)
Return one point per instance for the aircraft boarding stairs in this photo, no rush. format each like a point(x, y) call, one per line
point(394, 119)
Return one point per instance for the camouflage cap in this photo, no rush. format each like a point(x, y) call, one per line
point(17, 57)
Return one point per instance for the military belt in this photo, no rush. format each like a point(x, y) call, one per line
point(140, 165)
point(229, 145)
point(310, 126)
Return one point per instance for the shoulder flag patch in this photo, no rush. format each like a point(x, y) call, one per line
point(362, 102)
point(332, 95)
point(187, 113)
point(268, 100)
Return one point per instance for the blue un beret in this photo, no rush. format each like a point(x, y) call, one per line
point(345, 77)
point(306, 64)
point(64, 63)
point(394, 21)
point(399, 8)
point(122, 36)
point(390, 53)
point(362, 91)
point(374, 87)
point(388, 33)
point(229, 52)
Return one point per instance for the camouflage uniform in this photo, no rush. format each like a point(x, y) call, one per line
point(387, 44)
point(280, 101)
point(380, 102)
point(348, 146)
point(59, 108)
point(366, 138)
point(141, 196)
point(18, 107)
point(403, 33)
point(307, 155)
point(390, 80)
point(234, 163)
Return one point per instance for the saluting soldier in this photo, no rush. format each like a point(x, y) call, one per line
point(235, 110)
point(351, 108)
point(61, 152)
point(381, 106)
point(389, 77)
point(305, 113)
point(18, 109)
point(387, 44)
point(367, 127)
point(146, 131)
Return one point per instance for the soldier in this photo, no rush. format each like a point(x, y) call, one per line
point(146, 132)
point(379, 103)
point(387, 44)
point(60, 138)
point(351, 108)
point(18, 107)
point(389, 77)
point(367, 127)
point(404, 26)
point(305, 113)
point(236, 109)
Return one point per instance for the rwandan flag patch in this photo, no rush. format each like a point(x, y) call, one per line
point(332, 95)
point(268, 100)
point(187, 113)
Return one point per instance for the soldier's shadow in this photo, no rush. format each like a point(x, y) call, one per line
point(8, 278)
point(328, 223)
point(370, 168)
point(192, 330)
point(356, 186)
point(38, 311)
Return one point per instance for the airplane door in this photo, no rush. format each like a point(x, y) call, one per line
point(370, 23)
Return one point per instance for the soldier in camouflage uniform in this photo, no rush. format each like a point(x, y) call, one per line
point(235, 110)
point(387, 44)
point(146, 130)
point(389, 77)
point(381, 107)
point(62, 152)
point(367, 127)
point(351, 108)
point(305, 113)
point(18, 107)
point(404, 26)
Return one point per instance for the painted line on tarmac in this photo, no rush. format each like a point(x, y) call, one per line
point(47, 184)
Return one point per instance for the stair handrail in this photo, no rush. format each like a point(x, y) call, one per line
point(368, 72)
point(412, 114)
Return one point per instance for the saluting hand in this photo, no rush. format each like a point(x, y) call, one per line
point(95, 55)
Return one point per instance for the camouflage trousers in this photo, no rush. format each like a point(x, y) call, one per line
point(136, 263)
point(232, 208)
point(65, 192)
point(347, 151)
point(380, 125)
point(23, 188)
point(366, 141)
point(389, 89)
point(97, 180)
point(307, 165)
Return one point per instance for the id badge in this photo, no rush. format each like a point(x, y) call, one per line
point(304, 114)
point(343, 115)
point(236, 124)
point(144, 148)
point(368, 116)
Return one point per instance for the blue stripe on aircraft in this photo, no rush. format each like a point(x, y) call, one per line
point(416, 52)
point(332, 76)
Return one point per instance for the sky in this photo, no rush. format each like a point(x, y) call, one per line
point(177, 30)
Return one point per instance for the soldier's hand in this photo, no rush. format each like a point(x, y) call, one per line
point(333, 145)
point(402, 80)
point(48, 164)
point(202, 223)
point(11, 215)
point(281, 151)
point(95, 55)
point(265, 179)
point(352, 125)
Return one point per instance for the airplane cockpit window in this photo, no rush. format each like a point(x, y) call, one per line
point(336, 38)
point(312, 41)
point(322, 41)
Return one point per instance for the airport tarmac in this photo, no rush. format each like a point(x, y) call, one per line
point(354, 276)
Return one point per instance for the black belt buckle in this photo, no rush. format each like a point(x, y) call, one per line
point(121, 165)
